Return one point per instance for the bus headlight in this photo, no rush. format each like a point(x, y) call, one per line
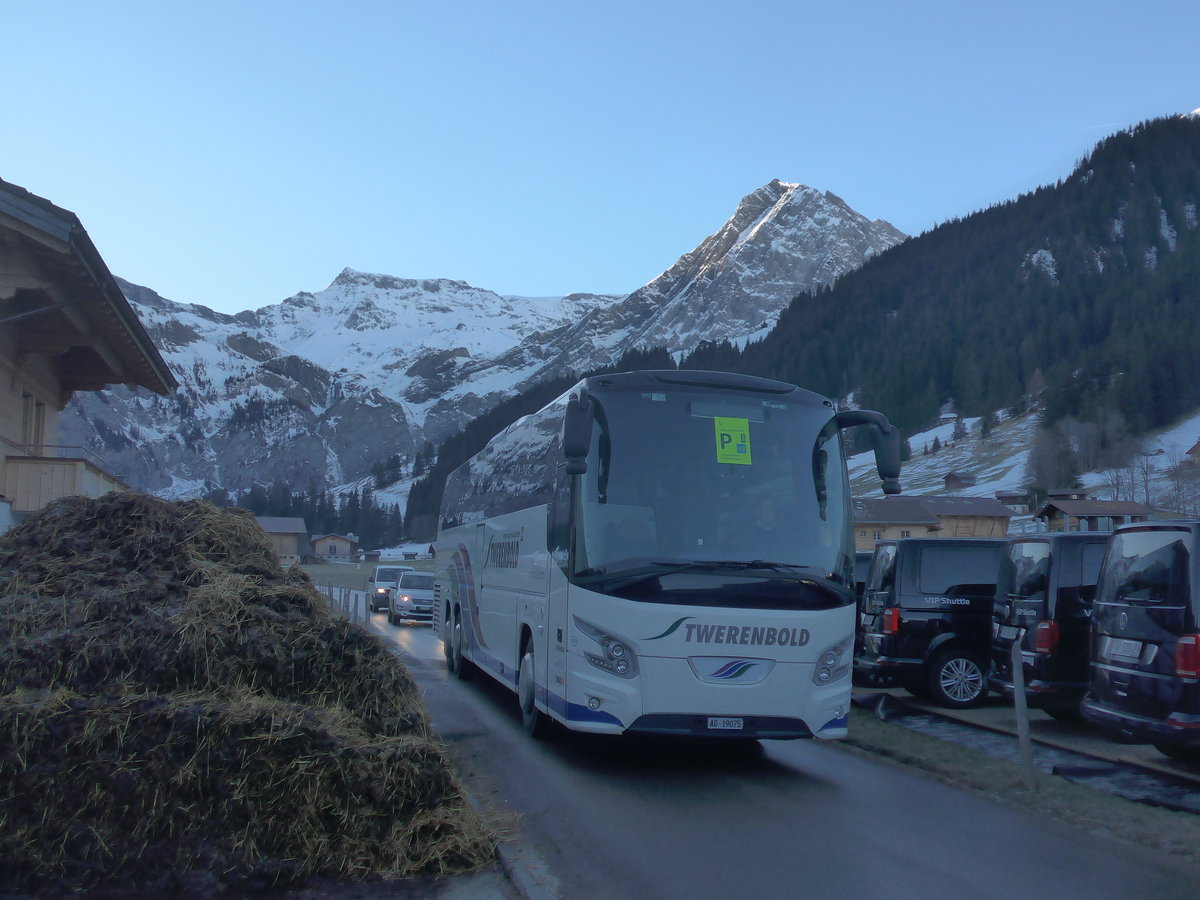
point(832, 663)
point(614, 656)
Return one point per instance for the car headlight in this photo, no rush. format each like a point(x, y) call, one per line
point(832, 663)
point(615, 657)
point(381, 590)
point(404, 598)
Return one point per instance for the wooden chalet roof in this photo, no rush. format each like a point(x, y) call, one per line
point(59, 298)
point(282, 524)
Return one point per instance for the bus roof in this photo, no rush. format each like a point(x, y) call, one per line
point(699, 380)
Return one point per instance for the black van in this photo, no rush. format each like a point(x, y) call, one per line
point(927, 616)
point(1145, 668)
point(862, 568)
point(1044, 599)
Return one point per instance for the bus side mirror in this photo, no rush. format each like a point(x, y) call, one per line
point(577, 432)
point(885, 438)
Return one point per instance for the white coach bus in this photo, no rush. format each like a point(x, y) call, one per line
point(661, 551)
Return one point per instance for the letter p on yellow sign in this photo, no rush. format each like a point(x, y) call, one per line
point(733, 440)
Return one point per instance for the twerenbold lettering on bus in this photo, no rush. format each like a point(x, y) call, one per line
point(745, 635)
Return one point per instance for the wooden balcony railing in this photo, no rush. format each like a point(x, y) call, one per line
point(33, 479)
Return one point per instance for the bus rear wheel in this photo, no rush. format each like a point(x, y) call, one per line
point(456, 662)
point(535, 721)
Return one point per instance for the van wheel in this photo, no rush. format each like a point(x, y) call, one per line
point(535, 721)
point(957, 679)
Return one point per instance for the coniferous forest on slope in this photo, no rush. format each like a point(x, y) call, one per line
point(965, 313)
point(1083, 296)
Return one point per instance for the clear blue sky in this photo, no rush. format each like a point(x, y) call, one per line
point(235, 153)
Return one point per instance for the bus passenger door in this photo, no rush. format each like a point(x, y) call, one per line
point(558, 543)
point(500, 583)
point(532, 600)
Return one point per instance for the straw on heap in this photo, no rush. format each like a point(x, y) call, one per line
point(179, 712)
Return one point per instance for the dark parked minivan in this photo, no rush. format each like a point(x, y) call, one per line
point(1044, 599)
point(1145, 668)
point(862, 568)
point(926, 622)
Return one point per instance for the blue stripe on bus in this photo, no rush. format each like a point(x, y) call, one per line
point(843, 722)
point(572, 712)
point(577, 712)
point(494, 667)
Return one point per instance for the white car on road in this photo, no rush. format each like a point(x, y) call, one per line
point(382, 584)
point(412, 601)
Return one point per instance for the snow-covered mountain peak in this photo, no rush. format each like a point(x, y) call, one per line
point(783, 240)
point(327, 383)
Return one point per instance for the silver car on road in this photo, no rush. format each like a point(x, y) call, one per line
point(412, 600)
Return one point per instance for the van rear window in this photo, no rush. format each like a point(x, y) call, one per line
point(961, 570)
point(883, 568)
point(1148, 568)
point(1030, 561)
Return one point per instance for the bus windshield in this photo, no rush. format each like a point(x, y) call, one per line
point(682, 476)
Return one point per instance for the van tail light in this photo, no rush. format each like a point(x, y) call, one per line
point(1187, 656)
point(1045, 637)
point(891, 620)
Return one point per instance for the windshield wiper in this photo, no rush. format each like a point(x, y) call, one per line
point(760, 564)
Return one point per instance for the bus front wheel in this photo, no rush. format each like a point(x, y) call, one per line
point(535, 722)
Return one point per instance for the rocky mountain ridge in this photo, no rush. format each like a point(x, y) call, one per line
point(319, 387)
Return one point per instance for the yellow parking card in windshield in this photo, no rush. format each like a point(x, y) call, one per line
point(733, 440)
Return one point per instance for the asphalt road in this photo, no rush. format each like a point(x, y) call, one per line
point(597, 818)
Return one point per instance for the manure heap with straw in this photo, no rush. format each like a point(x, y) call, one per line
point(180, 714)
